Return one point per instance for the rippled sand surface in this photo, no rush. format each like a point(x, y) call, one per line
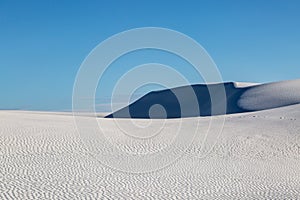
point(257, 156)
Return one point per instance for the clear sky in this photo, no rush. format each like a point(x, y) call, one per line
point(43, 43)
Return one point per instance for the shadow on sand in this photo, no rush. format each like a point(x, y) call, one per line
point(192, 104)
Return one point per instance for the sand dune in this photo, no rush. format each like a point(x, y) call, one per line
point(256, 157)
point(240, 97)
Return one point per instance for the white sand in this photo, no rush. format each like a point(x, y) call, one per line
point(271, 95)
point(195, 100)
point(257, 156)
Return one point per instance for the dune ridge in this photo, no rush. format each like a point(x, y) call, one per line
point(240, 97)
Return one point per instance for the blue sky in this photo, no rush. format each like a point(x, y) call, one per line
point(43, 43)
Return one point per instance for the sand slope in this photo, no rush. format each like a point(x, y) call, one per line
point(256, 157)
point(239, 98)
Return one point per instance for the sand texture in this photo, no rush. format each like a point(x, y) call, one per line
point(257, 156)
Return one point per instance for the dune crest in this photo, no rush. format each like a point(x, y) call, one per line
point(240, 97)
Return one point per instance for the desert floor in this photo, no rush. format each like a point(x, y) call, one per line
point(256, 156)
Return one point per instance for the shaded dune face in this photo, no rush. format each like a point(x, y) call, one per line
point(181, 102)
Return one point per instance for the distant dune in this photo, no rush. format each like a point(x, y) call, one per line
point(239, 98)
